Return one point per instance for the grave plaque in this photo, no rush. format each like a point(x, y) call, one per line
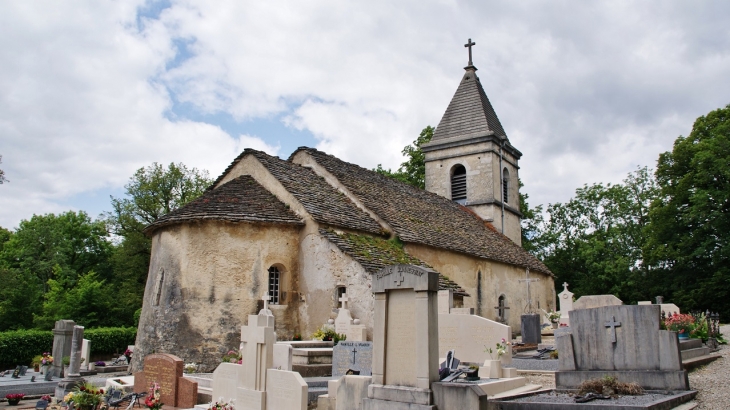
point(23, 370)
point(16, 372)
point(352, 356)
point(167, 371)
point(285, 390)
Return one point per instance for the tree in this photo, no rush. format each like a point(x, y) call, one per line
point(151, 192)
point(2, 173)
point(532, 221)
point(595, 240)
point(690, 221)
point(413, 170)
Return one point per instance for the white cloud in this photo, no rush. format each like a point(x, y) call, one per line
point(587, 91)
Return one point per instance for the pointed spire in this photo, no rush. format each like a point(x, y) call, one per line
point(470, 112)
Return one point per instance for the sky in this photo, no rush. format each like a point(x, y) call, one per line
point(91, 91)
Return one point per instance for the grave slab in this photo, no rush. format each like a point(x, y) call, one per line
point(350, 392)
point(469, 334)
point(352, 356)
point(530, 328)
point(285, 390)
point(595, 301)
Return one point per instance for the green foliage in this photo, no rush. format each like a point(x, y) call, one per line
point(327, 334)
point(413, 170)
point(532, 220)
point(689, 239)
point(89, 303)
point(21, 346)
point(595, 240)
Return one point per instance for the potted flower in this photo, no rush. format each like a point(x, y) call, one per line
point(36, 363)
point(552, 316)
point(152, 401)
point(85, 396)
point(232, 356)
point(100, 363)
point(221, 405)
point(14, 398)
point(473, 373)
point(495, 365)
point(682, 324)
point(65, 361)
point(190, 367)
point(128, 355)
point(46, 362)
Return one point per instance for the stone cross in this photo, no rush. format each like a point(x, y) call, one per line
point(266, 298)
point(528, 307)
point(258, 340)
point(468, 45)
point(399, 279)
point(613, 324)
point(354, 351)
point(344, 300)
point(565, 286)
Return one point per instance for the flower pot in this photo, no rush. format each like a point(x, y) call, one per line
point(495, 368)
point(92, 366)
point(13, 402)
point(683, 336)
point(36, 368)
point(555, 325)
point(472, 375)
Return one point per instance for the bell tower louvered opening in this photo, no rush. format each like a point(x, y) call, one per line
point(458, 184)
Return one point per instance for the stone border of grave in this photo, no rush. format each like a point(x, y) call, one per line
point(518, 402)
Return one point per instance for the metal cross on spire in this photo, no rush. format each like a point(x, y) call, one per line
point(468, 45)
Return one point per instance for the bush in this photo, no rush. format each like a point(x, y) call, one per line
point(21, 346)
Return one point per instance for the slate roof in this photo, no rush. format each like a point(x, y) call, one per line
point(326, 204)
point(422, 217)
point(469, 111)
point(375, 253)
point(240, 200)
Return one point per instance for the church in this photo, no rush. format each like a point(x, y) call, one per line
point(307, 229)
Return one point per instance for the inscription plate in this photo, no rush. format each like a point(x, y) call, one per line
point(352, 355)
point(165, 369)
point(400, 352)
point(285, 390)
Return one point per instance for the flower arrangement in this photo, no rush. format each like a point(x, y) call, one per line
point(100, 363)
point(46, 359)
point(15, 396)
point(152, 401)
point(190, 367)
point(326, 334)
point(128, 352)
point(680, 323)
point(551, 315)
point(85, 394)
point(500, 349)
point(222, 405)
point(46, 397)
point(233, 356)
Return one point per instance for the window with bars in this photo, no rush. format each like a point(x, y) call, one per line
point(505, 185)
point(274, 281)
point(458, 184)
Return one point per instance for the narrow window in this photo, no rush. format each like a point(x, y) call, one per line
point(158, 290)
point(458, 184)
point(502, 309)
point(274, 280)
point(505, 185)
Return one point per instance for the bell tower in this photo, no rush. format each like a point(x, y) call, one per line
point(470, 159)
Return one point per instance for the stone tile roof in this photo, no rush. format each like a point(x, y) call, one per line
point(469, 111)
point(375, 253)
point(423, 217)
point(326, 204)
point(240, 200)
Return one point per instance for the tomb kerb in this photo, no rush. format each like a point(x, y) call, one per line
point(405, 336)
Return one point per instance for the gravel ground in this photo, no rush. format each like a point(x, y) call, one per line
point(553, 397)
point(713, 381)
point(535, 364)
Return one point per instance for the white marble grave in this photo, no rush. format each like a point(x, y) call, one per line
point(565, 302)
point(85, 353)
point(283, 356)
point(285, 390)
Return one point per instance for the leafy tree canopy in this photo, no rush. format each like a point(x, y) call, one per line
point(413, 170)
point(689, 239)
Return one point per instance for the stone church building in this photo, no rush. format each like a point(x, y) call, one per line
point(311, 227)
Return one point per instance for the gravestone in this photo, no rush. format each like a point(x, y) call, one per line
point(283, 356)
point(405, 338)
point(73, 378)
point(348, 355)
point(445, 301)
point(85, 353)
point(530, 328)
point(344, 318)
point(357, 332)
point(285, 391)
point(565, 300)
point(468, 335)
point(16, 373)
point(594, 301)
point(49, 375)
point(625, 342)
point(167, 370)
point(23, 370)
point(226, 378)
point(62, 334)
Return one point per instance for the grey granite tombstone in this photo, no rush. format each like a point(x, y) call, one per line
point(623, 341)
point(62, 333)
point(23, 370)
point(352, 356)
point(530, 328)
point(73, 378)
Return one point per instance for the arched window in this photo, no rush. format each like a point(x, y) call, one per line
point(274, 282)
point(458, 184)
point(505, 185)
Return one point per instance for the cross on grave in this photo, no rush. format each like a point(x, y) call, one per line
point(528, 307)
point(501, 311)
point(344, 300)
point(266, 298)
point(468, 45)
point(256, 340)
point(354, 351)
point(613, 324)
point(565, 286)
point(399, 280)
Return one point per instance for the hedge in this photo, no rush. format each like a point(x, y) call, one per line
point(20, 346)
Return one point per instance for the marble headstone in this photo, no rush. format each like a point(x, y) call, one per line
point(469, 334)
point(285, 390)
point(594, 301)
point(167, 371)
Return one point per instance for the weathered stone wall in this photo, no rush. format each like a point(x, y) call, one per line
point(214, 276)
point(483, 185)
point(325, 267)
point(486, 280)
